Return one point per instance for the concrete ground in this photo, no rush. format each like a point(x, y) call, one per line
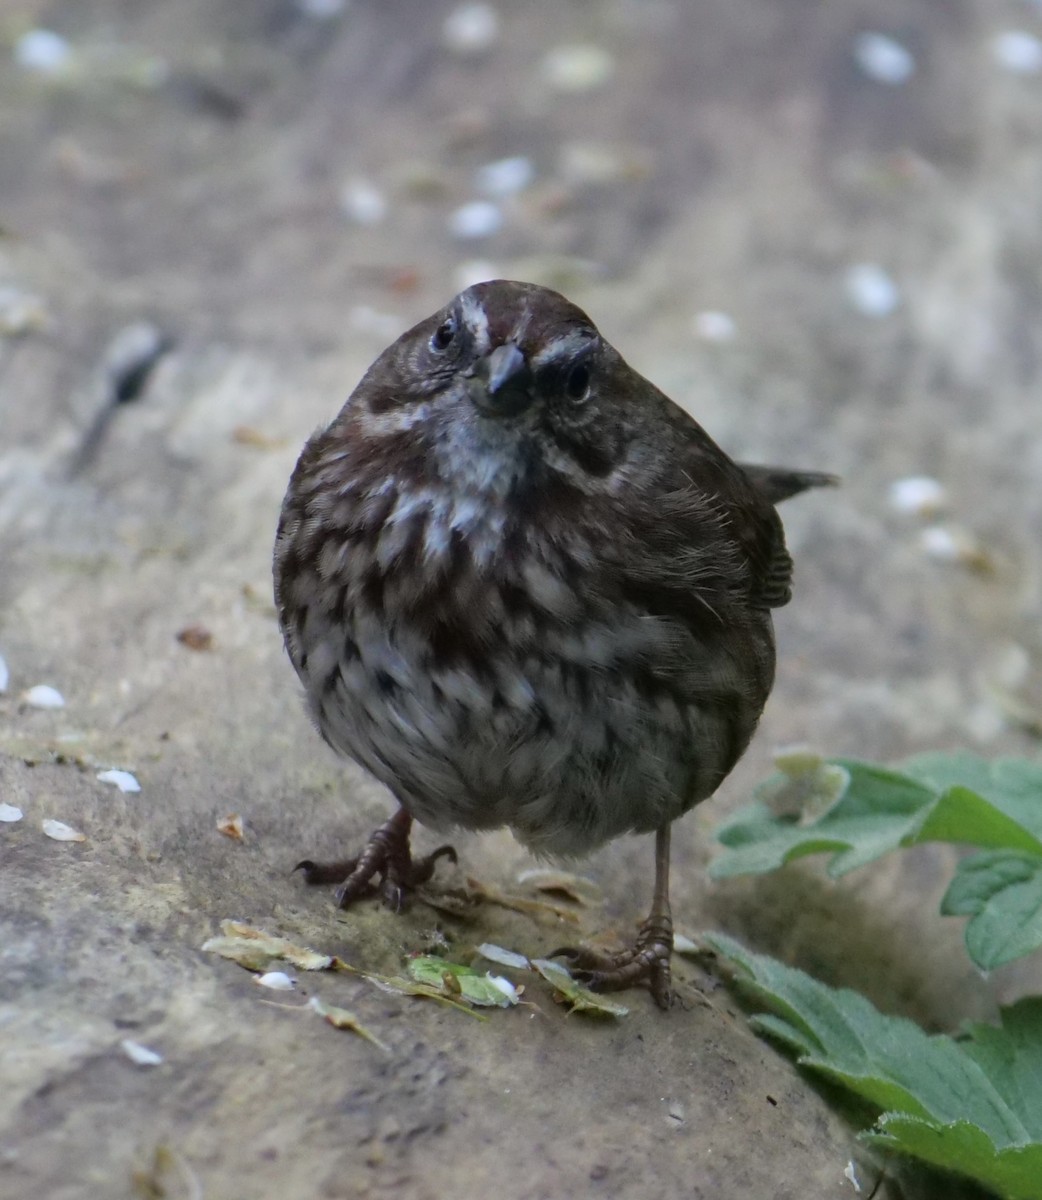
point(264, 189)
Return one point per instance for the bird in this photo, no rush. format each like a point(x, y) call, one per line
point(523, 588)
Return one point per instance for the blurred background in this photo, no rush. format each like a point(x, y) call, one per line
point(816, 226)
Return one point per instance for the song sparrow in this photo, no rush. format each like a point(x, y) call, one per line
point(521, 587)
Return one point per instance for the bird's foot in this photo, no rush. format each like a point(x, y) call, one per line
point(386, 865)
point(647, 959)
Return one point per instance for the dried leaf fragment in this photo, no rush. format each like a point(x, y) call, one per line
point(342, 1018)
point(167, 1175)
point(483, 892)
point(246, 435)
point(231, 826)
point(576, 888)
point(256, 950)
point(195, 637)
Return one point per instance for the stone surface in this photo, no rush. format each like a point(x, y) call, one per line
point(187, 172)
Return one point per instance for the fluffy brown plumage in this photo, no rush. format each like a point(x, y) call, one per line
point(521, 587)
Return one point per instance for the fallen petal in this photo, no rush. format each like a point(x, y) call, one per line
point(142, 1055)
point(121, 779)
point(61, 832)
point(278, 981)
point(505, 958)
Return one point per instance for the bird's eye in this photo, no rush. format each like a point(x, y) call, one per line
point(578, 382)
point(442, 338)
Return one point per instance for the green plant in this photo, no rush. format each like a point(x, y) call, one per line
point(972, 1103)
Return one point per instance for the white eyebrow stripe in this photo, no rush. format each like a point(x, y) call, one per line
point(476, 320)
point(564, 347)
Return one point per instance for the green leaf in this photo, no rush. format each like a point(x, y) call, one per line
point(579, 998)
point(1002, 892)
point(1011, 791)
point(880, 810)
point(965, 1150)
point(972, 1106)
point(457, 981)
point(877, 810)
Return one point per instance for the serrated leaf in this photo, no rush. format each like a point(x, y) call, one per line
point(881, 810)
point(1001, 891)
point(963, 1148)
point(973, 1106)
point(456, 980)
point(1012, 786)
point(579, 998)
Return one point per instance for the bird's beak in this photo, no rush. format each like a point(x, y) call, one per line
point(500, 384)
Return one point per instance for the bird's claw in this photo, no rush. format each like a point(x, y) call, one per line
point(647, 959)
point(386, 865)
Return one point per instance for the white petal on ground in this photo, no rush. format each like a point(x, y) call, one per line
point(1018, 52)
point(141, 1055)
point(471, 28)
point(363, 202)
point(278, 981)
point(505, 958)
point(10, 813)
point(578, 68)
point(713, 326)
point(20, 311)
point(871, 290)
point(5, 675)
point(478, 219)
point(61, 832)
point(682, 944)
point(505, 176)
point(504, 986)
point(44, 696)
point(44, 51)
point(919, 495)
point(952, 544)
point(121, 779)
point(884, 59)
point(322, 10)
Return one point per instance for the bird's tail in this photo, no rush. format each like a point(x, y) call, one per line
point(779, 483)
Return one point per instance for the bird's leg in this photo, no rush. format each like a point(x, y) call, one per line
point(385, 865)
point(648, 958)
